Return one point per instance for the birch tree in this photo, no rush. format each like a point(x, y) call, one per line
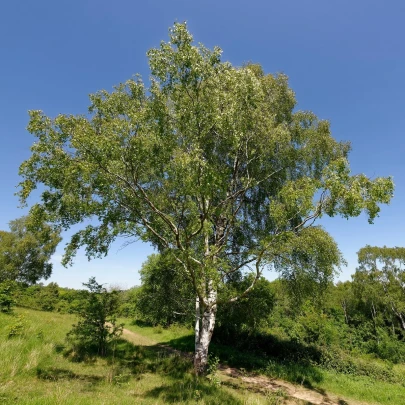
point(380, 280)
point(210, 162)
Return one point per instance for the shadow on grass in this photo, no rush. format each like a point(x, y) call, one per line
point(181, 383)
point(58, 374)
point(264, 354)
point(127, 361)
point(190, 390)
point(141, 323)
point(150, 359)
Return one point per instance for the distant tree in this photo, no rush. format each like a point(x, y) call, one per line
point(211, 163)
point(164, 297)
point(97, 326)
point(128, 299)
point(26, 249)
point(70, 300)
point(49, 297)
point(380, 281)
point(250, 312)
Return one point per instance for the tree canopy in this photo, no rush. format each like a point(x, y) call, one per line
point(380, 281)
point(26, 249)
point(164, 297)
point(211, 162)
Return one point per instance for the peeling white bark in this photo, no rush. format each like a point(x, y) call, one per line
point(197, 322)
point(204, 329)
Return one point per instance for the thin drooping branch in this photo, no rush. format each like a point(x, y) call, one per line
point(315, 215)
point(161, 214)
point(239, 266)
point(257, 276)
point(160, 237)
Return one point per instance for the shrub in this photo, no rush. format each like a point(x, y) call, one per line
point(336, 360)
point(247, 315)
point(17, 328)
point(97, 326)
point(6, 296)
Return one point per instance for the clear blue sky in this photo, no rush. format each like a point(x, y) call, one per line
point(345, 60)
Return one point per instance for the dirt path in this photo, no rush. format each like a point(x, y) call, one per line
point(266, 384)
point(137, 339)
point(296, 394)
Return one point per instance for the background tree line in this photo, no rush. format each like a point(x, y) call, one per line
point(364, 315)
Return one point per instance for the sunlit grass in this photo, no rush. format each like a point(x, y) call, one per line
point(361, 388)
point(159, 334)
point(36, 369)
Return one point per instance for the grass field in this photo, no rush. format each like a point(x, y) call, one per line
point(360, 388)
point(36, 368)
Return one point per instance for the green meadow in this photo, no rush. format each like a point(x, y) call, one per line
point(37, 367)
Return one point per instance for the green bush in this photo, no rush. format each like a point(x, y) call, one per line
point(386, 347)
point(97, 327)
point(7, 300)
point(337, 360)
point(163, 298)
point(18, 327)
point(248, 314)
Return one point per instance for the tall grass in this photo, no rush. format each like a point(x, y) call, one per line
point(36, 368)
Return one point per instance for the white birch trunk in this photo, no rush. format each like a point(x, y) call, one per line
point(399, 316)
point(203, 330)
point(205, 321)
point(402, 320)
